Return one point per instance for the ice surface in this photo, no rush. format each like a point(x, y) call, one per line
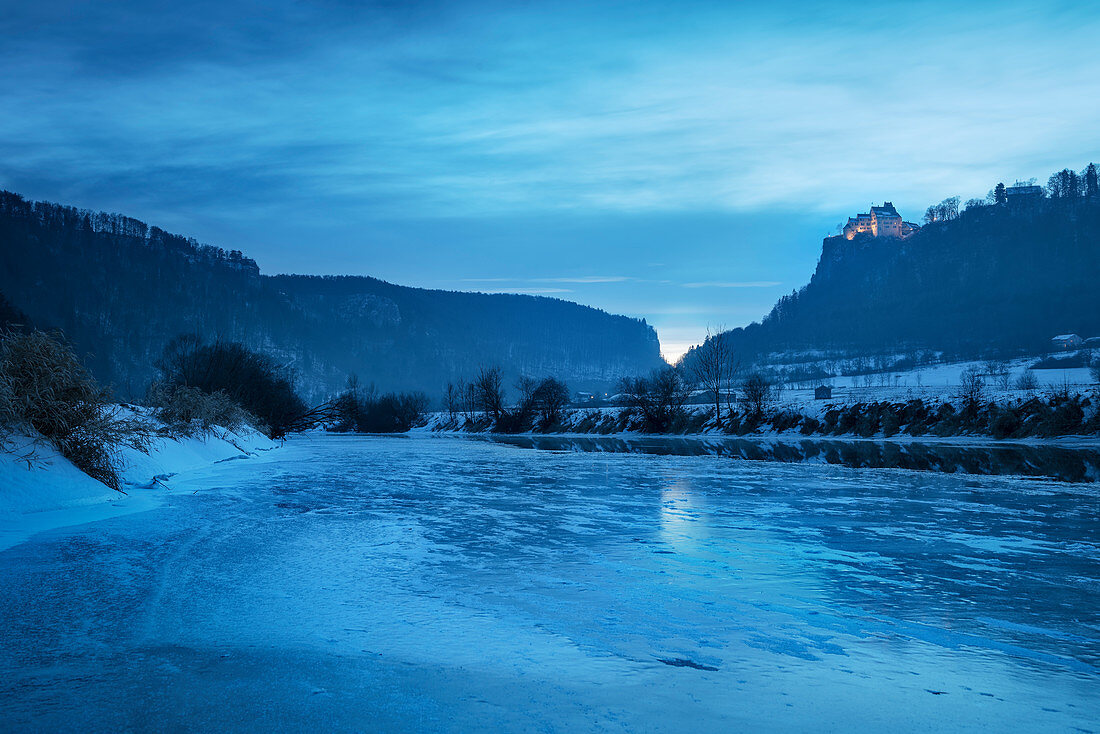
point(442, 583)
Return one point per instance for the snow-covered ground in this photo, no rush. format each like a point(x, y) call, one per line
point(943, 380)
point(40, 489)
point(442, 583)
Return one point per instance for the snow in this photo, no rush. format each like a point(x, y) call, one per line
point(453, 584)
point(42, 490)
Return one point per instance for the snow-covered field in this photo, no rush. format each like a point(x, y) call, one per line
point(448, 583)
point(40, 489)
point(941, 381)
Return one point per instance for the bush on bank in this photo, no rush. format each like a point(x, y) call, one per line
point(362, 411)
point(1056, 414)
point(45, 388)
point(252, 380)
point(187, 411)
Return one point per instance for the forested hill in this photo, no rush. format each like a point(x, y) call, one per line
point(121, 289)
point(994, 277)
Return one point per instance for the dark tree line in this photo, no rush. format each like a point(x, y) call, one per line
point(539, 403)
point(120, 289)
point(364, 410)
point(1067, 184)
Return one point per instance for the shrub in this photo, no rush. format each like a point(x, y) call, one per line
point(539, 400)
point(1064, 417)
point(785, 420)
point(549, 399)
point(867, 422)
point(188, 410)
point(252, 380)
point(810, 426)
point(1004, 423)
point(44, 386)
point(1027, 381)
point(891, 423)
point(370, 413)
point(659, 398)
point(972, 391)
point(488, 389)
point(756, 395)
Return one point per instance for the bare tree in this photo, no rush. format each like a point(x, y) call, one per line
point(713, 365)
point(945, 211)
point(452, 399)
point(756, 395)
point(526, 387)
point(550, 399)
point(1065, 184)
point(972, 391)
point(489, 391)
point(468, 396)
point(998, 371)
point(1027, 381)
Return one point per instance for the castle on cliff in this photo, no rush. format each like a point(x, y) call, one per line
point(881, 221)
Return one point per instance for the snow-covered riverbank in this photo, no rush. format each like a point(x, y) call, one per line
point(41, 490)
point(923, 415)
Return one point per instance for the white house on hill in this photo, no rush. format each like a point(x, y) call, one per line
point(881, 221)
point(1066, 341)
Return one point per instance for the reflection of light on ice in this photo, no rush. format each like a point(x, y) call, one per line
point(682, 516)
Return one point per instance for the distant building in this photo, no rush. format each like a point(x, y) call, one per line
point(1067, 341)
point(1023, 193)
point(823, 392)
point(1093, 342)
point(584, 397)
point(881, 221)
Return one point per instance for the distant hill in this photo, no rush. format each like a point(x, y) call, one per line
point(121, 289)
point(997, 278)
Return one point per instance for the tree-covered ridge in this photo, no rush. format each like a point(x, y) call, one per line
point(999, 275)
point(121, 290)
point(59, 216)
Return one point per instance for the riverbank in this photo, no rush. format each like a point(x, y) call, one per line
point(41, 490)
point(1055, 415)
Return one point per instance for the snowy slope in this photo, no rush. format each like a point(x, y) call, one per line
point(41, 490)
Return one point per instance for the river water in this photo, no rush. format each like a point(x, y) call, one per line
point(428, 583)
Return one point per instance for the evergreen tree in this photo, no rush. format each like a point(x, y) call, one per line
point(1000, 196)
point(1092, 186)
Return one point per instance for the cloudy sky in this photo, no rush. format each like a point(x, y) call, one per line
point(673, 161)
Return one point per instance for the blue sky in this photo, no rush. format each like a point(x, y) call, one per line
point(674, 161)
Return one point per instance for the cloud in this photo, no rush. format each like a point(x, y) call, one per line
point(421, 111)
point(733, 284)
point(586, 279)
point(532, 291)
point(579, 280)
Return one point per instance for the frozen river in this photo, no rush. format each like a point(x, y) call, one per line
point(388, 584)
